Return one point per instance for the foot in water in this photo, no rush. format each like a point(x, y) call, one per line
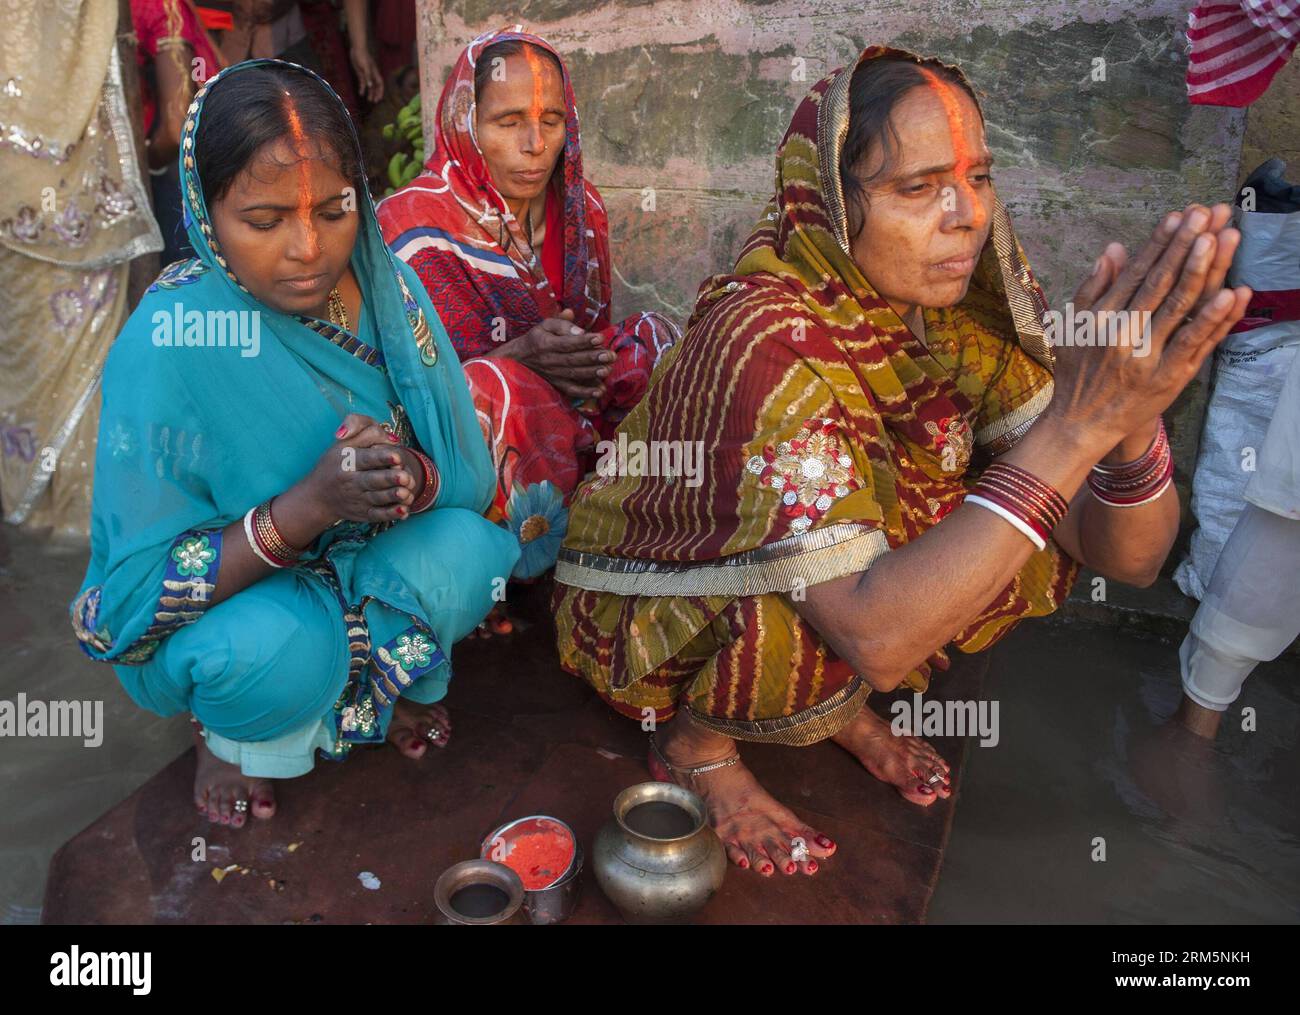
point(410, 725)
point(757, 831)
point(218, 785)
point(496, 622)
point(905, 762)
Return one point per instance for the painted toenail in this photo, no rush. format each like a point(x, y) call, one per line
point(812, 866)
point(789, 868)
point(824, 842)
point(744, 864)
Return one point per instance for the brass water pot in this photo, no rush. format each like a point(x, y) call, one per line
point(658, 878)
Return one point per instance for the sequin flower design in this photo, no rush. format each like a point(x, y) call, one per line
point(193, 556)
point(413, 650)
point(955, 441)
point(809, 472)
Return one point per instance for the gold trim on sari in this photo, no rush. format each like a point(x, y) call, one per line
point(794, 562)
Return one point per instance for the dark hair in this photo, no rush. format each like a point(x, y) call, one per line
point(877, 87)
point(256, 107)
point(509, 47)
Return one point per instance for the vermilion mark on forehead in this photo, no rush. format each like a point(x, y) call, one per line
point(535, 66)
point(306, 200)
point(962, 155)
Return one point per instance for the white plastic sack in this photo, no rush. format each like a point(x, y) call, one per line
point(1249, 370)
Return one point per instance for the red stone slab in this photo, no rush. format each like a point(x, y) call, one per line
point(405, 821)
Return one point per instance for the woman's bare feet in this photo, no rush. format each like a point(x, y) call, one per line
point(219, 785)
point(905, 762)
point(408, 729)
point(757, 831)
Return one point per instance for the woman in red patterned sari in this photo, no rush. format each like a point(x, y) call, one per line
point(512, 244)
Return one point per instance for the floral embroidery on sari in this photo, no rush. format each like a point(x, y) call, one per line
point(402, 661)
point(177, 274)
point(187, 586)
point(955, 441)
point(810, 472)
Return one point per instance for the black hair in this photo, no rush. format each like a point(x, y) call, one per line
point(877, 87)
point(508, 47)
point(257, 107)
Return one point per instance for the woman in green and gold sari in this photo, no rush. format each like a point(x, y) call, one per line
point(889, 464)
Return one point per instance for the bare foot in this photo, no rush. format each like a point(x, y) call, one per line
point(1179, 770)
point(218, 785)
point(756, 830)
point(408, 729)
point(905, 762)
point(496, 622)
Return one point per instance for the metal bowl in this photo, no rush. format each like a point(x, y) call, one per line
point(472, 873)
point(557, 901)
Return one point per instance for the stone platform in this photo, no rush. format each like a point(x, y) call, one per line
point(527, 739)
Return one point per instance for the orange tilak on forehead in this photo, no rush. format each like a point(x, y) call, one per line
point(537, 68)
point(306, 199)
point(963, 157)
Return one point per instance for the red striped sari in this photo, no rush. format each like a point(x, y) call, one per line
point(452, 226)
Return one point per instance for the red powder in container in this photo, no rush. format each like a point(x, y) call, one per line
point(539, 858)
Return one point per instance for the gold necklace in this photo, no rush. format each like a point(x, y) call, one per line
point(338, 312)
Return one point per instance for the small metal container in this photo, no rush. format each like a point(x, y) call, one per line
point(557, 901)
point(471, 874)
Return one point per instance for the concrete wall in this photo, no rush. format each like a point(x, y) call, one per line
point(691, 99)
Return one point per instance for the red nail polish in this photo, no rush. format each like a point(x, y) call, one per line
point(812, 866)
point(789, 868)
point(392, 438)
point(744, 864)
point(824, 842)
point(341, 430)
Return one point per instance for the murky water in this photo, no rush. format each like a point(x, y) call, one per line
point(52, 788)
point(1210, 835)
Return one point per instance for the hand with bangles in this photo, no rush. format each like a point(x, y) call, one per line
point(365, 476)
point(574, 361)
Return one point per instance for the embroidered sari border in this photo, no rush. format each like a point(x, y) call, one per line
point(802, 729)
point(1001, 435)
point(193, 563)
point(796, 561)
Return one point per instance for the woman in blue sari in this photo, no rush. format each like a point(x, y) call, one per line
point(287, 532)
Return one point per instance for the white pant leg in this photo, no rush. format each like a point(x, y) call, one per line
point(1251, 610)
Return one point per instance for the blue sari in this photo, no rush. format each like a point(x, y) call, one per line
point(204, 417)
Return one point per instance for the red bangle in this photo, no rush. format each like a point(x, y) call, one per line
point(431, 483)
point(1017, 508)
point(1139, 481)
point(1134, 496)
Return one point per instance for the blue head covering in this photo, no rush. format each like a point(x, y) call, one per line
point(214, 402)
